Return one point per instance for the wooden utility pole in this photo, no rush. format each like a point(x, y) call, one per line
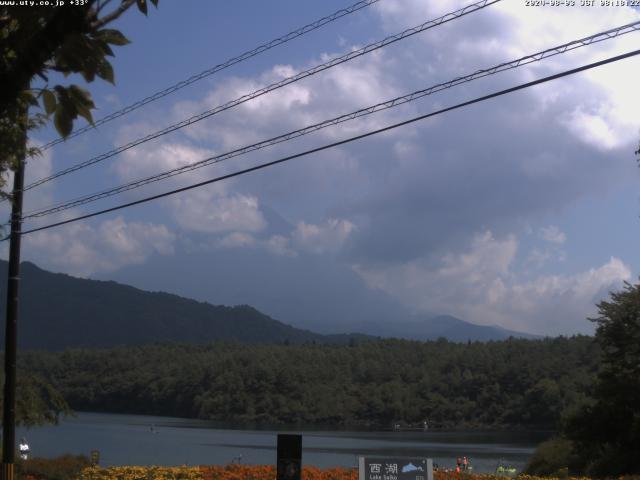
point(11, 330)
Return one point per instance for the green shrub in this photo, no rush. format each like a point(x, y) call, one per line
point(66, 467)
point(552, 458)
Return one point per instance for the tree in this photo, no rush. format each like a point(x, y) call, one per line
point(606, 433)
point(36, 41)
point(551, 458)
point(38, 402)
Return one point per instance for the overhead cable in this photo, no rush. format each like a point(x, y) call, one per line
point(274, 86)
point(338, 143)
point(221, 66)
point(535, 57)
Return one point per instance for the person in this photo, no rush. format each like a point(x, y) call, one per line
point(24, 449)
point(465, 463)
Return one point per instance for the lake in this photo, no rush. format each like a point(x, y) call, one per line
point(147, 440)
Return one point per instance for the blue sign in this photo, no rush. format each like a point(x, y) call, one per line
point(395, 468)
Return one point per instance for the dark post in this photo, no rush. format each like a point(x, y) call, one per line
point(289, 466)
point(11, 331)
point(95, 458)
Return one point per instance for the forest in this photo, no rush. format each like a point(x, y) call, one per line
point(506, 384)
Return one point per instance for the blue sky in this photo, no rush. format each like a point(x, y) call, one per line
point(522, 211)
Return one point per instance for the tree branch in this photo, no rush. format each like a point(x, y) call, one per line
point(101, 22)
point(101, 5)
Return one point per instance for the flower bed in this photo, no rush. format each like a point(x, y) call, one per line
point(142, 473)
point(264, 472)
point(213, 472)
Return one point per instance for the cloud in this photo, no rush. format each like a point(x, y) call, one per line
point(591, 128)
point(36, 168)
point(481, 284)
point(552, 249)
point(553, 234)
point(333, 92)
point(435, 287)
point(604, 118)
point(237, 240)
point(329, 236)
point(560, 304)
point(82, 249)
point(206, 211)
point(586, 286)
point(429, 213)
point(280, 245)
point(150, 159)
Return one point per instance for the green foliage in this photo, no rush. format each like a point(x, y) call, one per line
point(123, 315)
point(66, 467)
point(37, 401)
point(39, 40)
point(606, 431)
point(369, 384)
point(70, 103)
point(552, 458)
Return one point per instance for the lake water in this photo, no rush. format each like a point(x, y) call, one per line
point(146, 440)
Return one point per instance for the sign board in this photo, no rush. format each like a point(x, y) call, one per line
point(289, 466)
point(395, 468)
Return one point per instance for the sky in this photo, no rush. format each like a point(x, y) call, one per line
point(522, 211)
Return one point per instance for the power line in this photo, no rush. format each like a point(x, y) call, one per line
point(210, 71)
point(341, 142)
point(274, 86)
point(598, 37)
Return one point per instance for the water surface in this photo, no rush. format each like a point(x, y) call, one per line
point(146, 440)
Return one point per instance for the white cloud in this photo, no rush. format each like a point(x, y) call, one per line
point(38, 167)
point(150, 159)
point(537, 258)
point(329, 236)
point(553, 234)
point(562, 303)
point(480, 285)
point(206, 211)
point(427, 287)
point(488, 257)
point(607, 102)
point(280, 245)
point(592, 128)
point(339, 90)
point(583, 286)
point(81, 249)
point(554, 239)
point(237, 240)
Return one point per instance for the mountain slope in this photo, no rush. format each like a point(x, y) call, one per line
point(306, 291)
point(59, 311)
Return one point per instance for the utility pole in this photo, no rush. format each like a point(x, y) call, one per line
point(11, 330)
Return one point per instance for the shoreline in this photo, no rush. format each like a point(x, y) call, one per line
point(333, 428)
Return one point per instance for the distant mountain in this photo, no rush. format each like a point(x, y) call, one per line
point(422, 327)
point(307, 291)
point(59, 311)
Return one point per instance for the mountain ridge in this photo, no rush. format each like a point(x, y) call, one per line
point(76, 312)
